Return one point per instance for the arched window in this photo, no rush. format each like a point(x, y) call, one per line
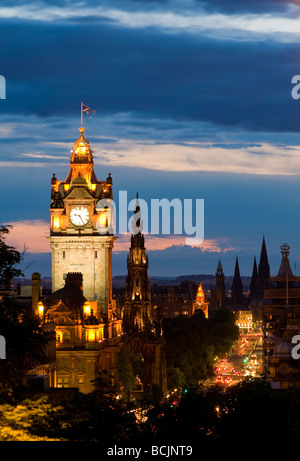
point(59, 337)
point(67, 337)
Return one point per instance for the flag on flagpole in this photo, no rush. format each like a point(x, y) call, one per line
point(88, 110)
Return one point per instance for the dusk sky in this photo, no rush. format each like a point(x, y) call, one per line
point(193, 99)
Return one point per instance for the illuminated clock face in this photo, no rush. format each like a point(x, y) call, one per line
point(79, 216)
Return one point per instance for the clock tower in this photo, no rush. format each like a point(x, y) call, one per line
point(81, 234)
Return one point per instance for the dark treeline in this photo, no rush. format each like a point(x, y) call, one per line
point(192, 343)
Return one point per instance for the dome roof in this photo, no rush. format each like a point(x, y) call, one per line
point(81, 152)
point(92, 320)
point(79, 180)
point(70, 295)
point(282, 349)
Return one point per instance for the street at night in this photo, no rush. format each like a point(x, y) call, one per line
point(245, 360)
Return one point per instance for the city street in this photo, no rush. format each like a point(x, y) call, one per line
point(245, 360)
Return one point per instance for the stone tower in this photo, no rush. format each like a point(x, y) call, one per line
point(137, 312)
point(81, 234)
point(144, 337)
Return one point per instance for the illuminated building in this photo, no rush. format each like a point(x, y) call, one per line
point(281, 311)
point(176, 300)
point(81, 307)
point(243, 317)
point(200, 302)
point(88, 326)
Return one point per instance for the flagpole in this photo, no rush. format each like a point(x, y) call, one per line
point(81, 115)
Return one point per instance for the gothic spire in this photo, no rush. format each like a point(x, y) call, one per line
point(137, 238)
point(219, 268)
point(218, 293)
point(137, 223)
point(263, 269)
point(237, 286)
point(254, 281)
point(137, 309)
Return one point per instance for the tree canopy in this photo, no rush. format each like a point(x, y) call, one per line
point(10, 257)
point(23, 337)
point(193, 342)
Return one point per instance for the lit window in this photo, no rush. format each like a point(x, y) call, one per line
point(62, 381)
point(92, 335)
point(67, 337)
point(87, 308)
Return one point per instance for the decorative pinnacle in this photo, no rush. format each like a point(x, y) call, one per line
point(285, 250)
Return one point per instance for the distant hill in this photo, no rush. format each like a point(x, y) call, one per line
point(208, 281)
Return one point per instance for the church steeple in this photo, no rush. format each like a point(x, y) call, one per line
point(218, 293)
point(254, 291)
point(237, 286)
point(263, 269)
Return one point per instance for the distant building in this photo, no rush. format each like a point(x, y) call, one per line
point(243, 317)
point(218, 293)
point(200, 302)
point(183, 299)
point(281, 311)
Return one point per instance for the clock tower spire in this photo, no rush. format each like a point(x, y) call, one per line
point(76, 241)
point(81, 161)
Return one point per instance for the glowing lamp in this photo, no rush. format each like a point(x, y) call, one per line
point(56, 223)
point(92, 335)
point(87, 308)
point(40, 308)
point(103, 220)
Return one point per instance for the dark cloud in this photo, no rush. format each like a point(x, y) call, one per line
point(248, 6)
point(50, 67)
point(228, 6)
